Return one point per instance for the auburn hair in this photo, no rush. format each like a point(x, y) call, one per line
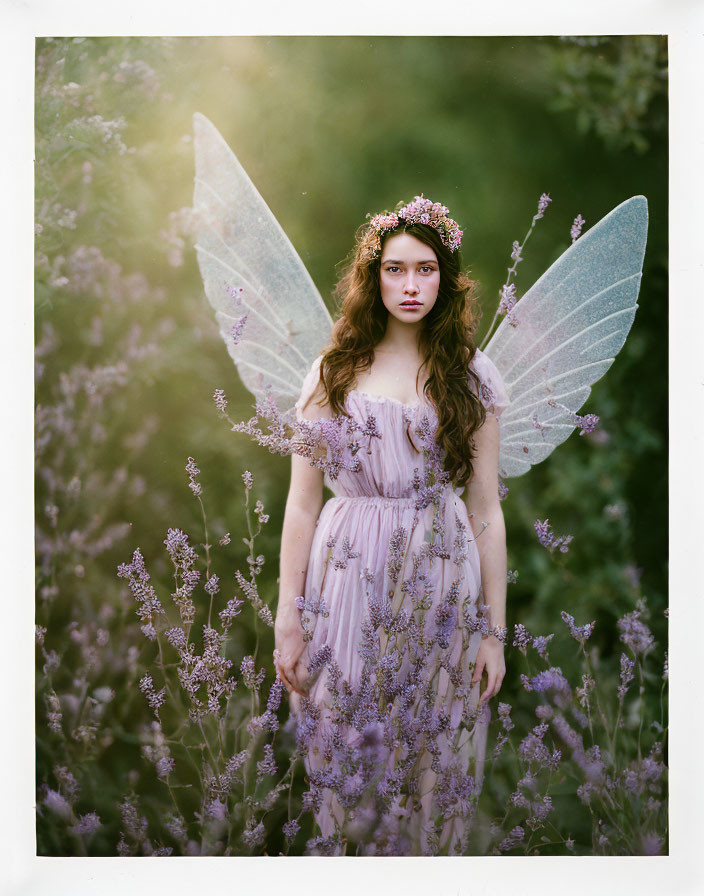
point(446, 342)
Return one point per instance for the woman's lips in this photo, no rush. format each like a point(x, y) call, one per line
point(411, 304)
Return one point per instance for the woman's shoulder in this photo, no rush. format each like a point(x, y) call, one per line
point(492, 391)
point(312, 392)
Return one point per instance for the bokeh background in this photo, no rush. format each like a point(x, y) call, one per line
point(128, 354)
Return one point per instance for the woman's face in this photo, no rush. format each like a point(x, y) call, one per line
point(409, 277)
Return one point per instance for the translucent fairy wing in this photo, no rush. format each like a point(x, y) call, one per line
point(564, 333)
point(270, 313)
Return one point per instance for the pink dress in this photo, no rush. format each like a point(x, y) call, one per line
point(362, 553)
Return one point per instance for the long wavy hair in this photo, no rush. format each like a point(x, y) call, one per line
point(446, 341)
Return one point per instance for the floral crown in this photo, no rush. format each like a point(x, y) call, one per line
point(420, 211)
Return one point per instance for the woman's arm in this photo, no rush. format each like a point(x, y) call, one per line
point(484, 507)
point(303, 505)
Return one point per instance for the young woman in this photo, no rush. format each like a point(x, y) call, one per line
point(419, 524)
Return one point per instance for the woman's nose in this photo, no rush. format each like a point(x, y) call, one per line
point(410, 285)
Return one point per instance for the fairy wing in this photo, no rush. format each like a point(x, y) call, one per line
point(565, 332)
point(269, 312)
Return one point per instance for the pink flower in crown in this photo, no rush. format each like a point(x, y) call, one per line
point(384, 222)
point(420, 211)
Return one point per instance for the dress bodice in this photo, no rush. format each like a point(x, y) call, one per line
point(387, 462)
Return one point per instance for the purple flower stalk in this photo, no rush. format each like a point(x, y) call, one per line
point(237, 329)
point(635, 634)
point(549, 680)
point(87, 825)
point(626, 675)
point(220, 400)
point(576, 228)
point(193, 471)
point(579, 632)
point(549, 540)
point(543, 203)
point(508, 298)
point(514, 838)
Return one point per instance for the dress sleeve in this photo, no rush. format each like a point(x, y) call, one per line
point(308, 388)
point(492, 392)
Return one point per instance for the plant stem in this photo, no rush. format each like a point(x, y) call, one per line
point(509, 272)
point(207, 744)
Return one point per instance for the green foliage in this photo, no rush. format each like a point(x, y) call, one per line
point(616, 86)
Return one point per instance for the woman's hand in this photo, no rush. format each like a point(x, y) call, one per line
point(288, 637)
point(490, 657)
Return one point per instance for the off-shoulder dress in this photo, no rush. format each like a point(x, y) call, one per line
point(365, 540)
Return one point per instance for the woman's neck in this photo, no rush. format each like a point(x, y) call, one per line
point(400, 338)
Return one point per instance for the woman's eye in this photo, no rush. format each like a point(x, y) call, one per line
point(392, 268)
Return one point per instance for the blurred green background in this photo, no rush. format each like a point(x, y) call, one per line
point(328, 128)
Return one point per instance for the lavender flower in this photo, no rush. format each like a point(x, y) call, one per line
point(540, 645)
point(651, 844)
point(193, 471)
point(254, 835)
point(182, 554)
point(521, 637)
point(165, 766)
point(633, 574)
point(576, 228)
point(212, 585)
point(396, 553)
point(252, 679)
point(236, 762)
point(635, 634)
point(156, 699)
point(267, 766)
point(217, 810)
point(290, 829)
point(231, 611)
point(549, 540)
point(508, 298)
point(86, 825)
point(54, 715)
point(58, 804)
point(540, 809)
point(220, 400)
point(176, 826)
point(143, 592)
point(579, 632)
point(252, 595)
point(324, 846)
point(135, 824)
point(543, 203)
point(626, 675)
point(177, 638)
point(550, 679)
point(262, 517)
point(347, 554)
point(275, 693)
point(588, 685)
point(586, 424)
point(514, 838)
point(237, 328)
